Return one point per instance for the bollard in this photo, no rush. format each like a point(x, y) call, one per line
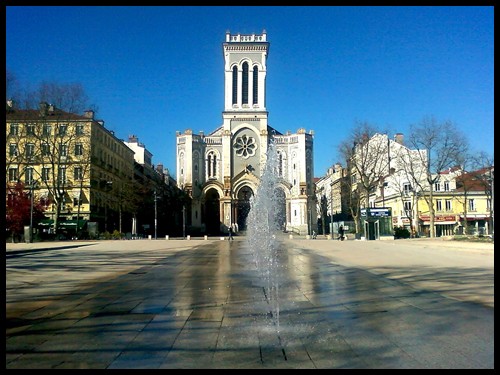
point(205, 237)
point(222, 238)
point(188, 237)
point(290, 236)
point(329, 237)
point(166, 237)
point(308, 237)
point(149, 236)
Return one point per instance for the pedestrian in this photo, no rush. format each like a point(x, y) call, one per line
point(230, 236)
point(341, 233)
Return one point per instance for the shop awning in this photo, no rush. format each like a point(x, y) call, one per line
point(71, 224)
point(46, 223)
point(66, 224)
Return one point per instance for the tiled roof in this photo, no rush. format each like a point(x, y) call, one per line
point(34, 115)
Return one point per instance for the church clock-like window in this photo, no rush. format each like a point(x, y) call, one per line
point(235, 85)
point(245, 146)
point(255, 85)
point(245, 83)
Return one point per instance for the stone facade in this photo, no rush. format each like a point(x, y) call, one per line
point(221, 171)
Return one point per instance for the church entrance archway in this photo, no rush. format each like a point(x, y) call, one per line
point(212, 212)
point(243, 207)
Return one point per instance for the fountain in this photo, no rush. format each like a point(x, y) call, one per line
point(263, 226)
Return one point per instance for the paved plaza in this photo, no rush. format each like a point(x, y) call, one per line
point(204, 303)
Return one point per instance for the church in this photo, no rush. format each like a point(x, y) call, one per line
point(221, 171)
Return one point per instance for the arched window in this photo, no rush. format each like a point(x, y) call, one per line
point(245, 83)
point(255, 85)
point(280, 164)
point(212, 165)
point(235, 85)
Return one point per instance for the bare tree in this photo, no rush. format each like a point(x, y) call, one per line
point(69, 97)
point(439, 147)
point(322, 208)
point(366, 155)
point(10, 83)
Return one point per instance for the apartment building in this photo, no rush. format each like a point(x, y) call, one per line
point(71, 162)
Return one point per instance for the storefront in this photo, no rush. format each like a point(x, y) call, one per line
point(445, 225)
point(476, 224)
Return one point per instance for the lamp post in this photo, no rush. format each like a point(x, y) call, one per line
point(108, 186)
point(310, 221)
point(33, 183)
point(156, 221)
point(183, 221)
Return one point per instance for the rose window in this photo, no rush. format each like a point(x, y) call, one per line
point(245, 146)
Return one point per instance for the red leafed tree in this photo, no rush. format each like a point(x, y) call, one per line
point(17, 210)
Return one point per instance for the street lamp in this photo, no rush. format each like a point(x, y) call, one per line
point(33, 184)
point(183, 221)
point(156, 221)
point(108, 185)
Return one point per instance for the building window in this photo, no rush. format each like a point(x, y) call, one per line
point(13, 173)
point(407, 206)
point(78, 173)
point(47, 130)
point(407, 188)
point(245, 146)
point(45, 174)
point(439, 205)
point(79, 129)
point(63, 150)
point(280, 164)
point(472, 205)
point(78, 149)
point(62, 174)
point(244, 82)
point(437, 186)
point(28, 176)
point(14, 129)
point(447, 204)
point(30, 129)
point(45, 149)
point(446, 186)
point(235, 85)
point(30, 150)
point(212, 165)
point(63, 129)
point(255, 85)
point(13, 150)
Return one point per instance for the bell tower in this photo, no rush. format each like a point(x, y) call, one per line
point(245, 72)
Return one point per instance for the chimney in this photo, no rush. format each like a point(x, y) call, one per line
point(89, 114)
point(133, 138)
point(159, 168)
point(43, 108)
point(51, 109)
point(399, 138)
point(10, 105)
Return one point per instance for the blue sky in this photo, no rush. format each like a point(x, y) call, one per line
point(152, 71)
